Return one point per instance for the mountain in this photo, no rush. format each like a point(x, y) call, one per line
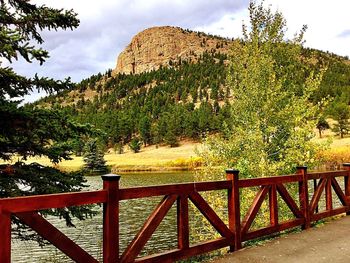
point(168, 84)
point(161, 46)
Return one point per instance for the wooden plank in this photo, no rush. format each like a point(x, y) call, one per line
point(177, 254)
point(151, 224)
point(347, 183)
point(5, 240)
point(328, 174)
point(315, 187)
point(55, 236)
point(304, 195)
point(333, 212)
point(339, 192)
point(273, 229)
point(233, 204)
point(317, 194)
point(254, 208)
point(328, 187)
point(182, 222)
point(111, 219)
point(269, 180)
point(273, 205)
point(211, 216)
point(289, 201)
point(185, 188)
point(41, 202)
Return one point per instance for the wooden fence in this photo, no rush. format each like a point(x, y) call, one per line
point(305, 210)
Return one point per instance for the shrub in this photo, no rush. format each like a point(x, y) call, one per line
point(135, 145)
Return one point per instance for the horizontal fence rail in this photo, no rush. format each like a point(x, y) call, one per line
point(304, 206)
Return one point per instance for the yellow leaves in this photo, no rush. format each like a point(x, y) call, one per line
point(189, 163)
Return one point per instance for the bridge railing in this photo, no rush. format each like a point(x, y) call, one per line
point(305, 208)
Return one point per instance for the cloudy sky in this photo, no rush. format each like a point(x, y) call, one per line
point(107, 26)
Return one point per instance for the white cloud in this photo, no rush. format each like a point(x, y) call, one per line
point(326, 20)
point(107, 26)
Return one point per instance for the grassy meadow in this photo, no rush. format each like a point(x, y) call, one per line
point(149, 158)
point(162, 158)
point(152, 158)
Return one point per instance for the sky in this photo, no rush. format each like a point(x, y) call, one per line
point(107, 26)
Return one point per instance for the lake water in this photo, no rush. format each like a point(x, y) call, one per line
point(133, 213)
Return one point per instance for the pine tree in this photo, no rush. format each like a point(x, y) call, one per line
point(341, 113)
point(145, 129)
point(94, 158)
point(27, 131)
point(135, 145)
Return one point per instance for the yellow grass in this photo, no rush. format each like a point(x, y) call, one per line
point(339, 151)
point(184, 156)
point(336, 141)
point(151, 156)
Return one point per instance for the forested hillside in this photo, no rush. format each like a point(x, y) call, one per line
point(183, 100)
point(186, 100)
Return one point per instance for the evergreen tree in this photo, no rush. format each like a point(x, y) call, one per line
point(135, 145)
point(145, 130)
point(131, 104)
point(27, 131)
point(94, 158)
point(171, 139)
point(340, 112)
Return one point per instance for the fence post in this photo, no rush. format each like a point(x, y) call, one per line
point(304, 195)
point(5, 240)
point(182, 222)
point(234, 213)
point(111, 219)
point(347, 182)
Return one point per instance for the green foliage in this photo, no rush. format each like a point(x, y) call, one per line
point(135, 145)
point(336, 80)
point(272, 114)
point(171, 139)
point(127, 106)
point(340, 112)
point(78, 146)
point(193, 93)
point(21, 179)
point(145, 129)
point(94, 158)
point(27, 131)
point(322, 125)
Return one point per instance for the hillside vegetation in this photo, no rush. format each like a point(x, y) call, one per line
point(185, 99)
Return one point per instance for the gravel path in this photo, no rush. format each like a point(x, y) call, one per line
point(329, 243)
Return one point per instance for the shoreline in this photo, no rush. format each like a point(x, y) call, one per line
point(135, 168)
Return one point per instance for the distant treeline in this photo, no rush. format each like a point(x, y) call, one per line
point(184, 100)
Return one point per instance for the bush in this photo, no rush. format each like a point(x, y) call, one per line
point(135, 145)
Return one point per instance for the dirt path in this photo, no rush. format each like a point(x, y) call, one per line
point(329, 243)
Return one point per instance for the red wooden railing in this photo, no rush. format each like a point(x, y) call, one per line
point(26, 210)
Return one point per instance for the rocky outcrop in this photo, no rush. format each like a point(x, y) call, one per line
point(161, 46)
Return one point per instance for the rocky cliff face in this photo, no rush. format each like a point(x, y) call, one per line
point(160, 46)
